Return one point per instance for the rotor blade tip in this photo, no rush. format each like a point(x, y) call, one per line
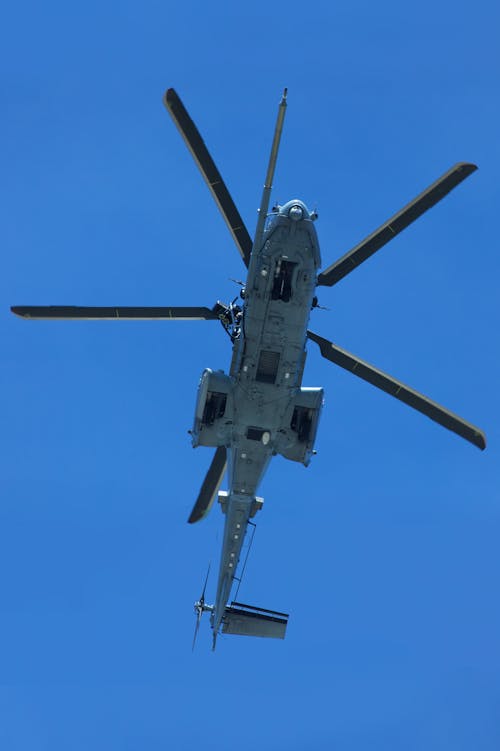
point(18, 311)
point(195, 516)
point(468, 167)
point(481, 441)
point(168, 97)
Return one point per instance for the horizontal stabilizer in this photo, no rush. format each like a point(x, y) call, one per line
point(247, 620)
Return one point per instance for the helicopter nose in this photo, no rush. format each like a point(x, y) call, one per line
point(296, 213)
point(295, 210)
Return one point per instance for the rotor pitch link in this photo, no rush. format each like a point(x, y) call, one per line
point(397, 389)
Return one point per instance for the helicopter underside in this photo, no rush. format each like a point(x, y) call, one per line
point(259, 408)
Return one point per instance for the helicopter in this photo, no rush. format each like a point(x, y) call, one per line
point(259, 408)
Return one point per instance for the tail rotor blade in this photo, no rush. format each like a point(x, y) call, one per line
point(210, 486)
point(202, 598)
point(199, 608)
point(199, 613)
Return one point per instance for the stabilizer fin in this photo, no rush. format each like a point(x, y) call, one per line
point(247, 620)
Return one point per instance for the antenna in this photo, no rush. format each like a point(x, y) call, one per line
point(268, 184)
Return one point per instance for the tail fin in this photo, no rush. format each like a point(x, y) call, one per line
point(247, 620)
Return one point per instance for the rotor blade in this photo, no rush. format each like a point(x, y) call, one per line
point(46, 312)
point(200, 606)
point(211, 174)
point(396, 224)
point(210, 486)
point(198, 619)
point(395, 388)
point(202, 598)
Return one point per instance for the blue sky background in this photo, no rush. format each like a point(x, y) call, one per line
point(385, 550)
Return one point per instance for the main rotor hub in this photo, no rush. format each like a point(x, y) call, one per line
point(230, 317)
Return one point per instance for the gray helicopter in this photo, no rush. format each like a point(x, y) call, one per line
point(260, 408)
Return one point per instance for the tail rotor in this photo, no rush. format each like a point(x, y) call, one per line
point(200, 608)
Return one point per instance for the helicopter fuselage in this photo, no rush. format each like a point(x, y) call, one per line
point(259, 409)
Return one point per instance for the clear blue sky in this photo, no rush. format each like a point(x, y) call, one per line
point(386, 549)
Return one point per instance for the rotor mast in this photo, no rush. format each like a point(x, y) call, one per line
point(268, 184)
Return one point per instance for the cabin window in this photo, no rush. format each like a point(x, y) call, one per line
point(267, 369)
point(282, 285)
point(215, 406)
point(301, 423)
